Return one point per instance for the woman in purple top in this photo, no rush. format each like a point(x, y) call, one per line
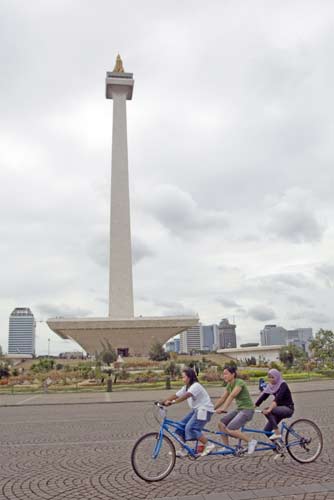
point(282, 405)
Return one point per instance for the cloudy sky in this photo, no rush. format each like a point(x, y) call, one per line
point(230, 159)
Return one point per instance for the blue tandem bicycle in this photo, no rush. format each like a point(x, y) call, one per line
point(153, 455)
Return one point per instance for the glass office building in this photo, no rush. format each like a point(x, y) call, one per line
point(22, 328)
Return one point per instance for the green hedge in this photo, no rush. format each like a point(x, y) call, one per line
point(260, 372)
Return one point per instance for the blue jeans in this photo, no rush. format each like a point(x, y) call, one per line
point(192, 426)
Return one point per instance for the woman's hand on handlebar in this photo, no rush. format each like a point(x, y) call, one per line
point(266, 411)
point(220, 410)
point(167, 402)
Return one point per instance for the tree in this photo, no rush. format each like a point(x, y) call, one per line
point(291, 354)
point(157, 352)
point(4, 370)
point(108, 353)
point(43, 365)
point(250, 361)
point(322, 346)
point(172, 369)
point(109, 357)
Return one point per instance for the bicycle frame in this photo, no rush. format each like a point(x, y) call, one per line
point(148, 467)
point(223, 450)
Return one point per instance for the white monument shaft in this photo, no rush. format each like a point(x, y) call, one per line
point(119, 88)
point(126, 333)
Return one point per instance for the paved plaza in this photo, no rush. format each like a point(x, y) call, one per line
point(82, 450)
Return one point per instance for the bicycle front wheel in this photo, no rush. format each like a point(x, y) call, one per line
point(152, 457)
point(303, 441)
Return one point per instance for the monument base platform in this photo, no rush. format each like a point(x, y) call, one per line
point(135, 335)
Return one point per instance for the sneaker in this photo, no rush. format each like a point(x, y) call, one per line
point(181, 453)
point(208, 449)
point(251, 446)
point(275, 436)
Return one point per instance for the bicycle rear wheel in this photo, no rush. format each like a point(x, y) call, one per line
point(153, 458)
point(303, 441)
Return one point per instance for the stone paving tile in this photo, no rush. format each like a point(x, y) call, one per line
point(217, 496)
point(312, 488)
point(241, 495)
point(289, 489)
point(266, 492)
point(82, 452)
point(191, 497)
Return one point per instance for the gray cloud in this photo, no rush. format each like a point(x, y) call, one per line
point(140, 250)
point(300, 301)
point(99, 250)
point(227, 302)
point(179, 213)
point(284, 281)
point(262, 313)
point(292, 219)
point(170, 308)
point(326, 273)
point(61, 310)
point(317, 318)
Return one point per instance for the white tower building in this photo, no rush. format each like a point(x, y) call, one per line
point(190, 340)
point(127, 333)
point(119, 87)
point(22, 327)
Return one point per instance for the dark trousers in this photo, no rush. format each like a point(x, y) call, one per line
point(276, 415)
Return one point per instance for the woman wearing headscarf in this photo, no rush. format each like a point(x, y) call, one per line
point(282, 405)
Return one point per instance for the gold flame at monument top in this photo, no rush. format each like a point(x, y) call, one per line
point(118, 65)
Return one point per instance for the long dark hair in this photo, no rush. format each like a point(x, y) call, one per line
point(191, 375)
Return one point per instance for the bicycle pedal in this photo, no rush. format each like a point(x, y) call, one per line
point(240, 451)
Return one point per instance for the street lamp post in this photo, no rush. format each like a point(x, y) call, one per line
point(49, 347)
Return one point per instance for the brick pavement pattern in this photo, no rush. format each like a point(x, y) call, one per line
point(83, 452)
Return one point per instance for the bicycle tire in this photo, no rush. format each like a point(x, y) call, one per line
point(149, 467)
point(303, 440)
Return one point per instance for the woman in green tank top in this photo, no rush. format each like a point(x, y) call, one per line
point(236, 389)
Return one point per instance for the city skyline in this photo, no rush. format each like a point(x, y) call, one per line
point(201, 340)
point(231, 201)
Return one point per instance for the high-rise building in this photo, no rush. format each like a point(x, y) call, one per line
point(173, 345)
point(209, 337)
point(301, 337)
point(277, 335)
point(190, 340)
point(273, 335)
point(227, 336)
point(22, 327)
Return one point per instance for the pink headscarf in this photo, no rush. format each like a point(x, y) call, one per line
point(278, 381)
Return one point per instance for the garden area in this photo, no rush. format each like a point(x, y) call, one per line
point(160, 369)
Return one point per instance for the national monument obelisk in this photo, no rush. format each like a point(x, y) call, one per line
point(119, 86)
point(127, 333)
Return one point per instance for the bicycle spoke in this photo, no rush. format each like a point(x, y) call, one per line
point(304, 441)
point(153, 459)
